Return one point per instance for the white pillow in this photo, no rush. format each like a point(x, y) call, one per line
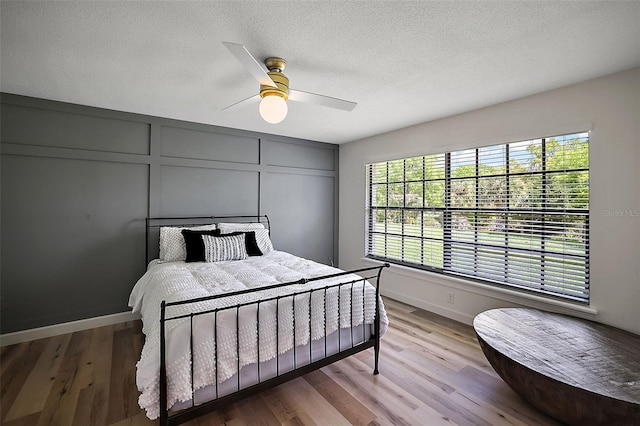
point(218, 249)
point(263, 241)
point(172, 247)
point(227, 228)
point(262, 234)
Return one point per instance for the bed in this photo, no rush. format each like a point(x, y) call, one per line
point(225, 315)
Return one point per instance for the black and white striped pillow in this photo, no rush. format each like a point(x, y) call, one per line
point(217, 249)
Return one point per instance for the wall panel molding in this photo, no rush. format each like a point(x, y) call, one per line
point(44, 127)
point(84, 178)
point(198, 144)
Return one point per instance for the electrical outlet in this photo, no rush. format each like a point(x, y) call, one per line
point(451, 298)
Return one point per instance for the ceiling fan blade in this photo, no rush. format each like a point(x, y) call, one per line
point(328, 101)
point(250, 63)
point(242, 103)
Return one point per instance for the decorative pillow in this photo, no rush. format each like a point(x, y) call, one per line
point(233, 227)
point(262, 234)
point(250, 241)
point(263, 240)
point(194, 245)
point(217, 249)
point(172, 245)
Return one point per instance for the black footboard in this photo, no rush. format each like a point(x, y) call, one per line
point(348, 342)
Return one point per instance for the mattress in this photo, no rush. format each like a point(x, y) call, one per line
point(252, 374)
point(263, 333)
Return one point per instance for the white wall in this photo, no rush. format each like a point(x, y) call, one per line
point(610, 107)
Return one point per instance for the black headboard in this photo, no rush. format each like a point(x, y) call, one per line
point(153, 225)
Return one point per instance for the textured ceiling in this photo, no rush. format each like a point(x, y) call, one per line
point(403, 62)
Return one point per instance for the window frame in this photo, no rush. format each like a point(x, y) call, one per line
point(448, 212)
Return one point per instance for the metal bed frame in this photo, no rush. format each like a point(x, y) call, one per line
point(174, 418)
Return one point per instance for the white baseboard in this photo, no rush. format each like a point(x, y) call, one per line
point(66, 327)
point(438, 309)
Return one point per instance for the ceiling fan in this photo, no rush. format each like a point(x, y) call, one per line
point(274, 87)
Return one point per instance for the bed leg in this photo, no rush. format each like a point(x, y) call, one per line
point(376, 322)
point(163, 369)
point(376, 350)
point(376, 353)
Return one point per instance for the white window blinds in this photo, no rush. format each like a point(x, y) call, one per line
point(514, 214)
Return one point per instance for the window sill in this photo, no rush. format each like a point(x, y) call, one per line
point(513, 296)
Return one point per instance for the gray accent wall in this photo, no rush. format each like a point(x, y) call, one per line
point(77, 183)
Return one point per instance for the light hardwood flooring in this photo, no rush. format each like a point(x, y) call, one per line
point(432, 372)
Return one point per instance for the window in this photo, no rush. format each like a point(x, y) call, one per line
point(514, 214)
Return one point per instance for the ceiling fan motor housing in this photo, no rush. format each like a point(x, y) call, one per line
point(275, 67)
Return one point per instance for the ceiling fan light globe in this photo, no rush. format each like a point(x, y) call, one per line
point(273, 109)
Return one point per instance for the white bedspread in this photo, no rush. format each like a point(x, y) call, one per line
point(175, 281)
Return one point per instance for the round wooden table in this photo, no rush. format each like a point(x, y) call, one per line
point(577, 371)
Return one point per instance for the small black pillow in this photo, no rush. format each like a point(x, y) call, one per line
point(194, 245)
point(249, 238)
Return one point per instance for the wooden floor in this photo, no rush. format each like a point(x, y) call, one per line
point(431, 372)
